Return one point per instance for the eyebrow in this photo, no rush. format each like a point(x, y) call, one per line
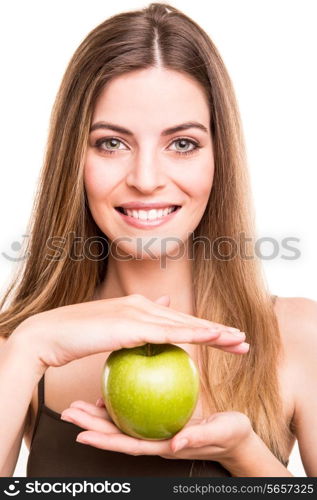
point(168, 131)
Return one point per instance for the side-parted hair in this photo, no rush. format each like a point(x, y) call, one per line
point(229, 291)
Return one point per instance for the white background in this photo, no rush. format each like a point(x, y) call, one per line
point(269, 48)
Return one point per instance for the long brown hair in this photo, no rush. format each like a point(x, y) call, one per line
point(231, 291)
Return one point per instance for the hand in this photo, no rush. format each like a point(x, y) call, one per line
point(219, 437)
point(71, 332)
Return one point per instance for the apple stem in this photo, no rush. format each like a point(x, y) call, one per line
point(148, 349)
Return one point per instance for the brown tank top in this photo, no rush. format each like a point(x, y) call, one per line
point(55, 452)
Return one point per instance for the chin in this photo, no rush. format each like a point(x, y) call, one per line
point(152, 248)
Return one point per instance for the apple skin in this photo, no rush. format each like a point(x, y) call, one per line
point(150, 391)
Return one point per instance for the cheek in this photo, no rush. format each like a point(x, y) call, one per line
point(197, 182)
point(98, 180)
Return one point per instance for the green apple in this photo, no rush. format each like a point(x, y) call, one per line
point(150, 391)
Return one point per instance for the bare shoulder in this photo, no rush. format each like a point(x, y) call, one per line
point(297, 317)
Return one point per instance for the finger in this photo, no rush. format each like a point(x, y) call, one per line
point(219, 430)
point(201, 453)
point(224, 337)
point(188, 319)
point(124, 443)
point(168, 333)
point(193, 421)
point(227, 339)
point(173, 334)
point(100, 403)
point(197, 436)
point(87, 420)
point(96, 411)
point(178, 316)
point(164, 300)
point(242, 348)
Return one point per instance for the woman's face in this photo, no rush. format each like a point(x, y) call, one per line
point(146, 163)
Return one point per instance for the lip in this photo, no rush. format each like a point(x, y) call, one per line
point(147, 205)
point(144, 224)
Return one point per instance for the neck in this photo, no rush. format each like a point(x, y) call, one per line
point(151, 278)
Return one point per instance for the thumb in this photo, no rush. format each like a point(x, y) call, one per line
point(164, 300)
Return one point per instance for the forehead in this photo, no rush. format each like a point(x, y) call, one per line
point(151, 97)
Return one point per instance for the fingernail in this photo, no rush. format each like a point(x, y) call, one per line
point(66, 417)
point(99, 402)
point(181, 444)
point(233, 330)
point(238, 334)
point(245, 345)
point(81, 440)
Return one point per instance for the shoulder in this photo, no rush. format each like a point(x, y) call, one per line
point(297, 318)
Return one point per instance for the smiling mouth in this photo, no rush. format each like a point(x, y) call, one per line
point(149, 214)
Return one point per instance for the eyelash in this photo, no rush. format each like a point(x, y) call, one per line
point(99, 142)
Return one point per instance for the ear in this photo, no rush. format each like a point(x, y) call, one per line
point(164, 300)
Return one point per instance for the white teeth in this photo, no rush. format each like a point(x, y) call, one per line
point(148, 214)
point(152, 214)
point(142, 214)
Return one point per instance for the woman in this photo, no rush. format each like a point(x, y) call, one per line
point(146, 120)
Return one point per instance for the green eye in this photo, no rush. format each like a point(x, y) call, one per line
point(112, 143)
point(183, 142)
point(109, 145)
point(186, 142)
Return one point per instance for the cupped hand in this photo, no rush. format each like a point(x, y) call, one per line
point(216, 438)
point(71, 332)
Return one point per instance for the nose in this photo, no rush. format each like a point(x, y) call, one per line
point(146, 173)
